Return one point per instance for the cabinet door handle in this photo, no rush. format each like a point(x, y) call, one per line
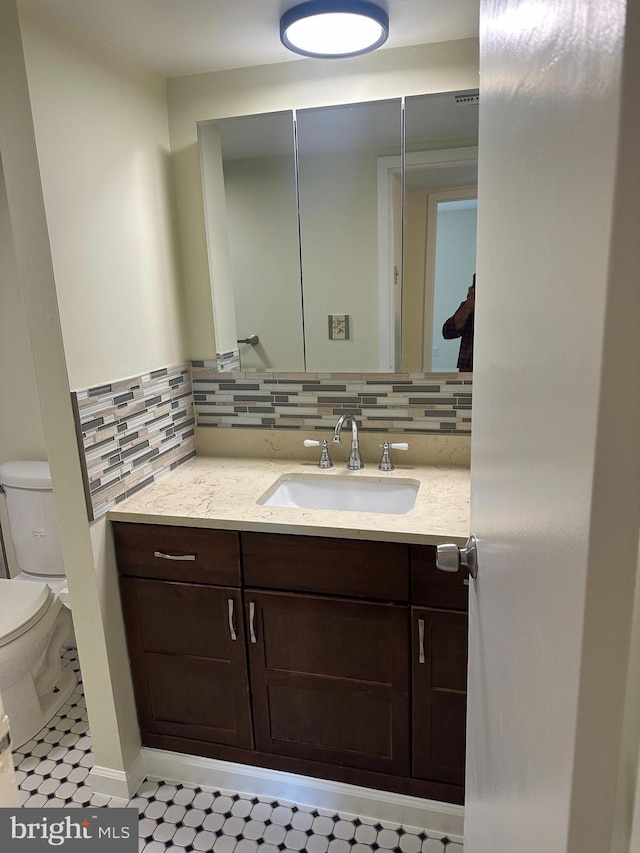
point(421, 658)
point(252, 620)
point(164, 556)
point(232, 630)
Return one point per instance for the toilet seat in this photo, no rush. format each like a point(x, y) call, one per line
point(57, 583)
point(22, 604)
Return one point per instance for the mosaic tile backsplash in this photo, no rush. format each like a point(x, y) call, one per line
point(406, 403)
point(132, 431)
point(227, 361)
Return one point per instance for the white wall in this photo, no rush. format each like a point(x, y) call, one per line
point(448, 66)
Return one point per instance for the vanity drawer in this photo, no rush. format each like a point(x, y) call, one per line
point(344, 567)
point(177, 553)
point(432, 588)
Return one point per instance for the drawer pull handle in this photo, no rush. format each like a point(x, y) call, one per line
point(252, 620)
point(421, 658)
point(164, 556)
point(232, 630)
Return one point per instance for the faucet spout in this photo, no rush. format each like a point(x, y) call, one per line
point(355, 460)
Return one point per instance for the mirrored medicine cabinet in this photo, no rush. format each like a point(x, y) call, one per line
point(342, 237)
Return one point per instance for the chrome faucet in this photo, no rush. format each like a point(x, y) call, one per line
point(355, 460)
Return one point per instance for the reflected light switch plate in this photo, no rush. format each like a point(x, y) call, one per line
point(338, 327)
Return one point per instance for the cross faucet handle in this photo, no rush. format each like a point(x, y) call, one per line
point(325, 459)
point(385, 463)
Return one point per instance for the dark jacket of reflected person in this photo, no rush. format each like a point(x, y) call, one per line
point(460, 325)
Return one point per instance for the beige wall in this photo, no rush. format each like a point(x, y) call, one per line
point(215, 205)
point(263, 238)
point(305, 83)
point(21, 433)
point(338, 209)
point(103, 146)
point(98, 275)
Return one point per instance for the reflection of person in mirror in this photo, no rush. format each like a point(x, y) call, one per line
point(460, 325)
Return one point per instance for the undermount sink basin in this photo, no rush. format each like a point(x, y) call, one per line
point(354, 494)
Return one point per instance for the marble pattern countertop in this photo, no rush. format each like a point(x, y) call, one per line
point(223, 493)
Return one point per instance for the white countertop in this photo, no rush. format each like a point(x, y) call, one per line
point(223, 493)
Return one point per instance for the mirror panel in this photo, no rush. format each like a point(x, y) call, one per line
point(333, 255)
point(338, 152)
point(261, 229)
point(440, 209)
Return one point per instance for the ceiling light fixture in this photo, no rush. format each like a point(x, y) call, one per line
point(334, 29)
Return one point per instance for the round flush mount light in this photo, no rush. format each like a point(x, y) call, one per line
point(334, 29)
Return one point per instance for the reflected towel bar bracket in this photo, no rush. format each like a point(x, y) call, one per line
point(254, 340)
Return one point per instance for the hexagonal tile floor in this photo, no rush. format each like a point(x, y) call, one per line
point(52, 770)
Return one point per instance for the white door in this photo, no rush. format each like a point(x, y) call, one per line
point(556, 426)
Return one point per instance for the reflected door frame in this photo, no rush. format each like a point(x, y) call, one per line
point(389, 276)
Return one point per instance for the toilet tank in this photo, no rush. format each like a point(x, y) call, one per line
point(33, 522)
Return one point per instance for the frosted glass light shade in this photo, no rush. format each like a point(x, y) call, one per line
point(334, 29)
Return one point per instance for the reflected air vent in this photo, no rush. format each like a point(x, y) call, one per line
point(472, 99)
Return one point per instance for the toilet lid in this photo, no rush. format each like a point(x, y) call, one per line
point(26, 475)
point(21, 604)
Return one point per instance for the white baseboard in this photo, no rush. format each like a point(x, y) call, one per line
point(439, 818)
point(118, 783)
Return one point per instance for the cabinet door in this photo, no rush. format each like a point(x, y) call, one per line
point(439, 694)
point(329, 679)
point(188, 658)
point(432, 588)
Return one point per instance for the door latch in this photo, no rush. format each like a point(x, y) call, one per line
point(450, 557)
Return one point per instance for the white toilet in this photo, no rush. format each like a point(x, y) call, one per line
point(35, 620)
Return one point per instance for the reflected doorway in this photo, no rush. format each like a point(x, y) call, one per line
point(438, 256)
point(451, 250)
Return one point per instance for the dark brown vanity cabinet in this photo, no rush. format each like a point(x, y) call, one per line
point(329, 673)
point(187, 650)
point(186, 638)
point(336, 658)
point(439, 632)
point(329, 680)
point(439, 694)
